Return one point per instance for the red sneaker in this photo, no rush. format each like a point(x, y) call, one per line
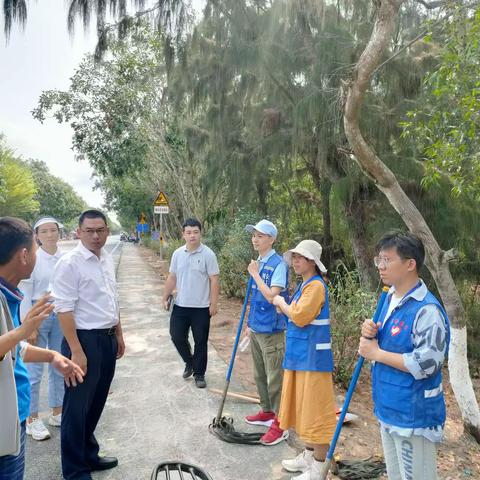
point(274, 434)
point(261, 418)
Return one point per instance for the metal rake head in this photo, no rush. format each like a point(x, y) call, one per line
point(173, 470)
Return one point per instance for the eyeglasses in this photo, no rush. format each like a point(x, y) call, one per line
point(98, 231)
point(382, 260)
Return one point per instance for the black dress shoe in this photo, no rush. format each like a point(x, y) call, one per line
point(188, 372)
point(200, 381)
point(104, 463)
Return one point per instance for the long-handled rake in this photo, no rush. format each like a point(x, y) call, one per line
point(222, 426)
point(348, 396)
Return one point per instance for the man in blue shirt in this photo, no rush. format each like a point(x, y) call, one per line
point(266, 328)
point(17, 259)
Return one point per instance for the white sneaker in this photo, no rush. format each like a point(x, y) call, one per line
point(55, 420)
point(313, 473)
point(37, 430)
point(300, 463)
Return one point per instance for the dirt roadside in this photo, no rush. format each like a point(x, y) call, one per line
point(458, 456)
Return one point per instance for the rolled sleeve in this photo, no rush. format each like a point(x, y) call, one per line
point(64, 288)
point(309, 304)
point(173, 263)
point(26, 287)
point(212, 265)
point(279, 277)
point(430, 343)
point(22, 349)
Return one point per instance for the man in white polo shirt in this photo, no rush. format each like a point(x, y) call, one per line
point(194, 273)
point(84, 289)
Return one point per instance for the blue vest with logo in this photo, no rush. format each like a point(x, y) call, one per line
point(309, 348)
point(263, 316)
point(401, 400)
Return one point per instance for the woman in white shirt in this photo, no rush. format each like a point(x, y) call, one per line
point(49, 335)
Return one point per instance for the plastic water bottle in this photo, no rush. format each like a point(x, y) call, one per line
point(244, 344)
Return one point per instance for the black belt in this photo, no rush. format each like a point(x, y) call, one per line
point(103, 331)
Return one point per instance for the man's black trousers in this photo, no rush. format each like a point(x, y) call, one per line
point(83, 404)
point(198, 319)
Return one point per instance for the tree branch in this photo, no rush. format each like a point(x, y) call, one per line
point(432, 5)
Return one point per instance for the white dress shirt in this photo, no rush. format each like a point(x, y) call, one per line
point(84, 284)
point(39, 282)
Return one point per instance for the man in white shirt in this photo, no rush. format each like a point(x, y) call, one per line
point(84, 289)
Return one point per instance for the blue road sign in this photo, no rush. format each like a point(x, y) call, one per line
point(142, 227)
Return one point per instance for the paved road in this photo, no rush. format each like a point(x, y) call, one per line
point(152, 413)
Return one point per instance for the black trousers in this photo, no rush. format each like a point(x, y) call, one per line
point(83, 404)
point(198, 319)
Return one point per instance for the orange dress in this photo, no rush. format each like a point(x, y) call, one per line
point(308, 403)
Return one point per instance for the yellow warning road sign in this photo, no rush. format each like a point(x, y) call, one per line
point(161, 200)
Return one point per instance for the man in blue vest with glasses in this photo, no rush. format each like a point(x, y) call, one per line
point(408, 346)
point(266, 328)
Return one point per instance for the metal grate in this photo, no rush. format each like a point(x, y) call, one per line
point(178, 471)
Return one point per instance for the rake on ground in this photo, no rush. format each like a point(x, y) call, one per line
point(222, 426)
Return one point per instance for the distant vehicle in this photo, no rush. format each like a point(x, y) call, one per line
point(133, 238)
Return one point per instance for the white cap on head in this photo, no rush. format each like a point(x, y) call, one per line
point(309, 249)
point(263, 226)
point(44, 220)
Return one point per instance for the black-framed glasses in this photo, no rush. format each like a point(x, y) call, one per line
point(92, 231)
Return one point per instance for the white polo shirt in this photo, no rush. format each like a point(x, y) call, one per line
point(84, 284)
point(193, 271)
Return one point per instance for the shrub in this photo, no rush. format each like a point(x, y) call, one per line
point(172, 245)
point(350, 305)
point(235, 254)
point(168, 249)
point(470, 293)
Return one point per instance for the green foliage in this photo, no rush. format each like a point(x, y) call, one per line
point(54, 196)
point(446, 124)
point(172, 245)
point(247, 117)
point(17, 188)
point(234, 251)
point(350, 305)
point(470, 294)
point(28, 190)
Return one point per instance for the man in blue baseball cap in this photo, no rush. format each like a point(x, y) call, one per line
point(266, 328)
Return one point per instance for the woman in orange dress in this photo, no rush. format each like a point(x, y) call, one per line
point(307, 402)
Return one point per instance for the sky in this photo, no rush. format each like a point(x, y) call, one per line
point(43, 57)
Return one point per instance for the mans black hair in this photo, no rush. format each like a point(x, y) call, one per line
point(191, 222)
point(15, 234)
point(91, 214)
point(407, 245)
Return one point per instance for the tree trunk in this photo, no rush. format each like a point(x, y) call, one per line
point(437, 260)
point(261, 186)
point(325, 186)
point(322, 177)
point(356, 220)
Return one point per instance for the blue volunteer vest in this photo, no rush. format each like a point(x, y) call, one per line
point(401, 400)
point(263, 316)
point(309, 348)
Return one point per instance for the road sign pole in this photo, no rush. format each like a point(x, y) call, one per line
point(160, 206)
point(161, 236)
